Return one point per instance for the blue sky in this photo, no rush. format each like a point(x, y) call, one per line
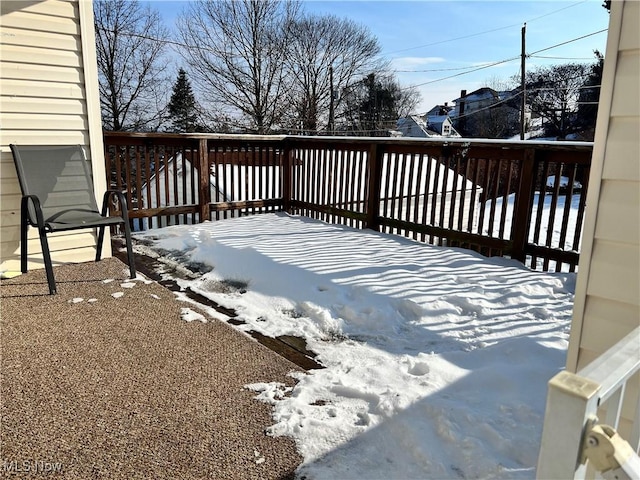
point(428, 40)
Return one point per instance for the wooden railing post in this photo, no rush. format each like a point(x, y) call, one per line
point(287, 174)
point(374, 166)
point(522, 210)
point(204, 188)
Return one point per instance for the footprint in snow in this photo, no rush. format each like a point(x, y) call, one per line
point(189, 315)
point(418, 369)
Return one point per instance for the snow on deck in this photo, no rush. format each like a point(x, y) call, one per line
point(436, 358)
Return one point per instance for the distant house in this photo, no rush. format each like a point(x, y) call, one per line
point(480, 99)
point(442, 125)
point(438, 110)
point(487, 113)
point(426, 126)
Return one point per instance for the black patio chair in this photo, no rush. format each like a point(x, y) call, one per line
point(58, 195)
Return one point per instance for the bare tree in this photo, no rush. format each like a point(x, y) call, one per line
point(373, 105)
point(236, 50)
point(325, 53)
point(553, 95)
point(129, 43)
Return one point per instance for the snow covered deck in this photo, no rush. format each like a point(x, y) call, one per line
point(436, 359)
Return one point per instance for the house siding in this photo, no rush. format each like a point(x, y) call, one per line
point(48, 95)
point(607, 303)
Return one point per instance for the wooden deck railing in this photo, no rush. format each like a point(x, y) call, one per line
point(524, 200)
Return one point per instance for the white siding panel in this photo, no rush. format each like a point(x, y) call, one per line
point(57, 241)
point(626, 96)
point(615, 272)
point(8, 186)
point(630, 36)
point(33, 38)
point(41, 89)
point(600, 329)
point(586, 357)
point(623, 149)
point(73, 254)
point(66, 74)
point(11, 202)
point(62, 106)
point(41, 23)
point(619, 200)
point(7, 172)
point(40, 56)
point(64, 8)
point(16, 121)
point(52, 137)
point(10, 218)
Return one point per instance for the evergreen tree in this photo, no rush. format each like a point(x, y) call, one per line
point(183, 108)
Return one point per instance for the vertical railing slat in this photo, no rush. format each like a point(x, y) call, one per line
point(522, 208)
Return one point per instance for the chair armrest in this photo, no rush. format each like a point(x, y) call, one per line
point(121, 200)
point(35, 201)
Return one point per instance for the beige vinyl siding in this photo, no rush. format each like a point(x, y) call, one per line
point(607, 302)
point(48, 95)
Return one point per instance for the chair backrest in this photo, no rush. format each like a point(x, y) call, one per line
point(58, 175)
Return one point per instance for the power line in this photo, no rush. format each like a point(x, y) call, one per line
point(462, 73)
point(482, 33)
point(561, 58)
point(504, 61)
point(428, 70)
point(568, 41)
point(442, 69)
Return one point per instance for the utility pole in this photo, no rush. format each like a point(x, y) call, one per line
point(331, 97)
point(523, 86)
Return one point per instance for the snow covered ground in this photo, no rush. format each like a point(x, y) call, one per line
point(436, 358)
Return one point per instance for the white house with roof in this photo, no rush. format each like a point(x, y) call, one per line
point(477, 100)
point(425, 126)
point(483, 112)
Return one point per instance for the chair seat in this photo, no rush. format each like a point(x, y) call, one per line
point(75, 219)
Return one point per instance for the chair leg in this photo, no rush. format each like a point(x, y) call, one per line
point(100, 242)
point(127, 236)
point(46, 255)
point(24, 228)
